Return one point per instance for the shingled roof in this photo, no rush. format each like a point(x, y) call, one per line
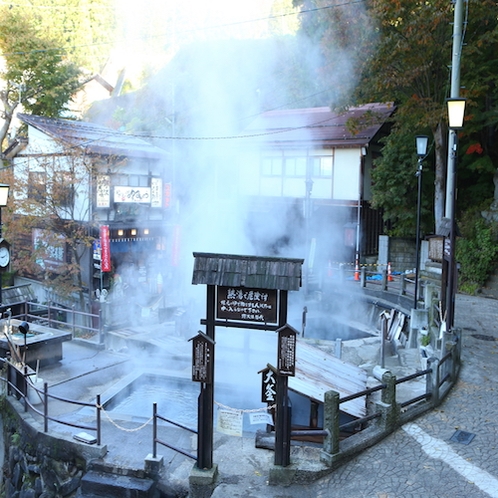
point(253, 272)
point(320, 126)
point(93, 138)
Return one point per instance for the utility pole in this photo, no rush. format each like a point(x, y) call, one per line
point(454, 93)
point(450, 284)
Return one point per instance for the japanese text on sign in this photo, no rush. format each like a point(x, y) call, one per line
point(245, 304)
point(268, 387)
point(286, 351)
point(201, 359)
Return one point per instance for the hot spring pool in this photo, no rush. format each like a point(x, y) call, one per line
point(176, 399)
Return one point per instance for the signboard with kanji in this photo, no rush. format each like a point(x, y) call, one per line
point(105, 249)
point(247, 305)
point(202, 355)
point(287, 351)
point(268, 385)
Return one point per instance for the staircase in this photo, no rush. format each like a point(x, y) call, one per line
point(103, 480)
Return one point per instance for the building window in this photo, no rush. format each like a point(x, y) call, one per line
point(322, 166)
point(63, 192)
point(295, 166)
point(37, 186)
point(272, 166)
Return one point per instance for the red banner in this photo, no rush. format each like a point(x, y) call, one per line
point(105, 247)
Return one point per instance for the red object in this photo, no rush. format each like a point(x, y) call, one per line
point(357, 271)
point(475, 148)
point(389, 276)
point(105, 247)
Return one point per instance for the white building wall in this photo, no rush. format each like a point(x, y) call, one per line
point(347, 170)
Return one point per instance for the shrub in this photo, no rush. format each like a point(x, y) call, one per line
point(476, 251)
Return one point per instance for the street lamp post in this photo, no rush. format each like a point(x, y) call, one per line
point(4, 195)
point(421, 142)
point(456, 111)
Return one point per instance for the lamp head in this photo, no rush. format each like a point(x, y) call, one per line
point(422, 141)
point(456, 112)
point(24, 328)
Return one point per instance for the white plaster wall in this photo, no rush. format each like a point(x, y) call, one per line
point(346, 173)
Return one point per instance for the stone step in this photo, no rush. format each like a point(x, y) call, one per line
point(95, 484)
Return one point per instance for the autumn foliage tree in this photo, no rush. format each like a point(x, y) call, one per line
point(51, 230)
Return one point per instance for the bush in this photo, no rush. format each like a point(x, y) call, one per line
point(476, 251)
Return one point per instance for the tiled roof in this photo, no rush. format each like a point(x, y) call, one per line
point(93, 138)
point(247, 271)
point(321, 126)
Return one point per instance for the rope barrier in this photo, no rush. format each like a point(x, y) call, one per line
point(254, 410)
point(225, 407)
point(121, 428)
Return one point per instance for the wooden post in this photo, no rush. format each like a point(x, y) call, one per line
point(205, 417)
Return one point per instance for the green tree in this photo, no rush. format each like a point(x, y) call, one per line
point(36, 75)
point(83, 29)
point(402, 50)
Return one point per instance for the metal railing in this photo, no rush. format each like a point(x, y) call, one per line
point(19, 384)
point(398, 283)
point(156, 440)
point(57, 317)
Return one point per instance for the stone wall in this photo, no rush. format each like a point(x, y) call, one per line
point(38, 465)
point(400, 252)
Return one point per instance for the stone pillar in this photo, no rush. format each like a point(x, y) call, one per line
point(331, 424)
point(383, 250)
point(418, 319)
point(433, 380)
point(387, 406)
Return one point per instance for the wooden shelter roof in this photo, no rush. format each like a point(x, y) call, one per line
point(254, 272)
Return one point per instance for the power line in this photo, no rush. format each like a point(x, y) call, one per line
point(192, 30)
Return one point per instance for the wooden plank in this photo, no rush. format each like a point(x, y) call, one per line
point(318, 372)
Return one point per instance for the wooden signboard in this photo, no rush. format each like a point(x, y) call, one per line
point(268, 385)
point(202, 355)
point(247, 305)
point(287, 350)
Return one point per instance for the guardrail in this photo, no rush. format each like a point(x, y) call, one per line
point(398, 283)
point(51, 316)
point(19, 385)
point(390, 413)
point(156, 440)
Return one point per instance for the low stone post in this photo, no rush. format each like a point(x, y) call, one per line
point(331, 424)
point(432, 381)
point(363, 276)
point(384, 280)
point(402, 291)
point(387, 406)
